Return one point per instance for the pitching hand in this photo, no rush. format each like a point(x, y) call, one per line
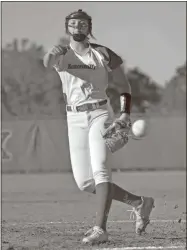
point(58, 50)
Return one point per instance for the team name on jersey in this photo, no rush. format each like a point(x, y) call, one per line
point(75, 66)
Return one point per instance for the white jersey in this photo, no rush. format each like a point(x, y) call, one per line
point(85, 78)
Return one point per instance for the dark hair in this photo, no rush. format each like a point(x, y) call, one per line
point(80, 15)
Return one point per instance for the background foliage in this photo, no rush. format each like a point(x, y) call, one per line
point(30, 90)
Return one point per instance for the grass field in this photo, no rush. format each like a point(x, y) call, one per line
point(47, 211)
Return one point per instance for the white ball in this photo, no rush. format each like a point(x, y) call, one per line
point(139, 128)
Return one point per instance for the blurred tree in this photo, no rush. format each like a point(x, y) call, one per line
point(64, 41)
point(29, 89)
point(24, 43)
point(15, 44)
point(143, 88)
point(145, 92)
point(174, 97)
point(8, 46)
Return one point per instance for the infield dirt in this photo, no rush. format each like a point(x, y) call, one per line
point(47, 211)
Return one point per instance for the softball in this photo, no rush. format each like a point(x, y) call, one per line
point(139, 128)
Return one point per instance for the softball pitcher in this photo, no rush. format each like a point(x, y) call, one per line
point(90, 73)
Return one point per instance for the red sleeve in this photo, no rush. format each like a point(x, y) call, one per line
point(110, 57)
point(114, 60)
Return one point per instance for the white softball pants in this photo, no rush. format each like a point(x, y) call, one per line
point(88, 151)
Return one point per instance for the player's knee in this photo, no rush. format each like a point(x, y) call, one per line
point(87, 186)
point(102, 176)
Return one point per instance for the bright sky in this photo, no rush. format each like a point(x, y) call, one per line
point(150, 35)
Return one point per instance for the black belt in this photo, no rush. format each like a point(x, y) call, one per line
point(86, 106)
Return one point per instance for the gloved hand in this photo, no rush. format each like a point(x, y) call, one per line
point(116, 135)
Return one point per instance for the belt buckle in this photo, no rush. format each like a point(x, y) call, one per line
point(95, 105)
point(80, 108)
point(92, 106)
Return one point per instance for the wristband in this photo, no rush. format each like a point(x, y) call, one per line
point(125, 103)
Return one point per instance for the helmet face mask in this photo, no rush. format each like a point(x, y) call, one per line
point(78, 37)
point(78, 29)
point(79, 25)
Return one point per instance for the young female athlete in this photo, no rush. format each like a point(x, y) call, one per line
point(88, 73)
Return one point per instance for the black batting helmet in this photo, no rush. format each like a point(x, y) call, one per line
point(79, 15)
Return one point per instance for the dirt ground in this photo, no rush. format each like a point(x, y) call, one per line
point(47, 211)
